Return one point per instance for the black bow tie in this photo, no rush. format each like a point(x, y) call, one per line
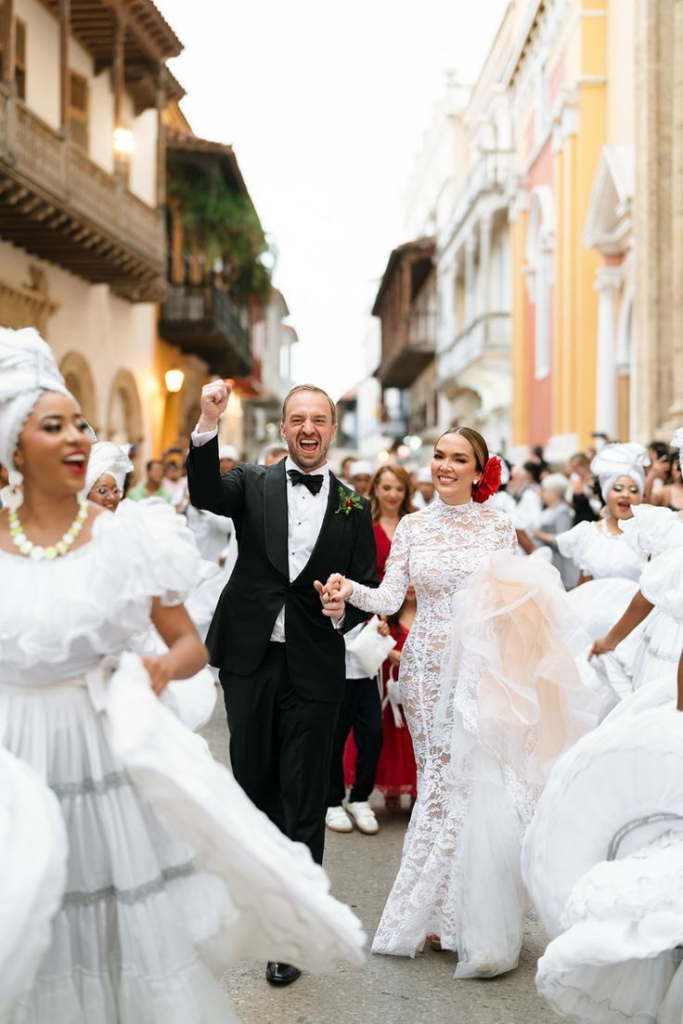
point(314, 483)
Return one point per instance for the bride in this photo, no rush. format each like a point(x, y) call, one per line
point(486, 682)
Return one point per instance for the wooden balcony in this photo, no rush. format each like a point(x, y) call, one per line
point(203, 321)
point(56, 203)
point(408, 327)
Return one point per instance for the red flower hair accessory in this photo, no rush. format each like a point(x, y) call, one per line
point(489, 481)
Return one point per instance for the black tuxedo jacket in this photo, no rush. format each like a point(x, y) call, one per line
point(255, 498)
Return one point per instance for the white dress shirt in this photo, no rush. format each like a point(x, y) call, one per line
point(305, 514)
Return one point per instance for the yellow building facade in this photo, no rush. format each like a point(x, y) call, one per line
point(570, 86)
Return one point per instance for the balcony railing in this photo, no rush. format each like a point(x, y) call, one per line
point(407, 351)
point(204, 321)
point(58, 203)
point(487, 335)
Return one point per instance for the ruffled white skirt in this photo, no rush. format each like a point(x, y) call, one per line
point(603, 862)
point(171, 872)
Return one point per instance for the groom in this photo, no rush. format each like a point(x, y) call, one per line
point(280, 656)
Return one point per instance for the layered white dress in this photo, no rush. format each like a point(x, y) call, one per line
point(473, 713)
point(650, 653)
point(161, 870)
point(603, 858)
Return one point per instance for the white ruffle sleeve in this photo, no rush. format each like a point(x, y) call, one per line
point(572, 544)
point(662, 583)
point(653, 530)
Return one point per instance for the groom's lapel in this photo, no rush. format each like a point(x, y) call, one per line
point(275, 517)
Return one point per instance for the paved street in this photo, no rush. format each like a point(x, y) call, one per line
point(385, 989)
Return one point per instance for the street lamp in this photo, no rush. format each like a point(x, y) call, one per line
point(174, 380)
point(123, 143)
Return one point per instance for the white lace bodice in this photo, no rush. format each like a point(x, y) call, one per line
point(437, 550)
point(600, 555)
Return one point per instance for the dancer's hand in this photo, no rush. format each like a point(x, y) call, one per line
point(214, 402)
point(159, 672)
point(601, 646)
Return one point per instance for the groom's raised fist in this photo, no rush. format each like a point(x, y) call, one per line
point(214, 402)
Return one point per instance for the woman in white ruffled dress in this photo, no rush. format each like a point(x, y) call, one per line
point(644, 645)
point(487, 683)
point(609, 567)
point(603, 858)
point(132, 866)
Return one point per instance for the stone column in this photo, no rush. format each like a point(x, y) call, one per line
point(470, 281)
point(484, 289)
point(607, 284)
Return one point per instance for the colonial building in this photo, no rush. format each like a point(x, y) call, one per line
point(570, 82)
point(658, 219)
point(82, 249)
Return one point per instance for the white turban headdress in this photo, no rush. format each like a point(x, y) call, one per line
point(615, 460)
point(677, 442)
point(109, 458)
point(27, 369)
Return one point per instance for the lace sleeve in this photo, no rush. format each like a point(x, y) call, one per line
point(388, 597)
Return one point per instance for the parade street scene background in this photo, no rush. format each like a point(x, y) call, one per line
point(341, 508)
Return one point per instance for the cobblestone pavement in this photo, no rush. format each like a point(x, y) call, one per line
point(386, 990)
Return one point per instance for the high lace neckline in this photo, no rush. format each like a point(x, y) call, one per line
point(454, 510)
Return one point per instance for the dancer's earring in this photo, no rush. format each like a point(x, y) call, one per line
point(12, 496)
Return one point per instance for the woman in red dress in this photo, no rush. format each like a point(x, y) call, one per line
point(390, 494)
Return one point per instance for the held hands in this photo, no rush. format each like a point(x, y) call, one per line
point(159, 672)
point(214, 402)
point(334, 595)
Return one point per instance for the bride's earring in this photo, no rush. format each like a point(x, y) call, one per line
point(12, 496)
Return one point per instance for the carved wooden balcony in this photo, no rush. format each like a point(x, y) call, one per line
point(56, 203)
point(203, 321)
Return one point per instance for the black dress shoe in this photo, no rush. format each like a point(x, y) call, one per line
point(281, 974)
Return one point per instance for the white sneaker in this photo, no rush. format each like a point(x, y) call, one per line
point(337, 820)
point(364, 817)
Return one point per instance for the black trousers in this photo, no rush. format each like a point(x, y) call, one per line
point(280, 748)
point(361, 710)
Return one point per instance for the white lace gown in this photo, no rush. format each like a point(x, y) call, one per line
point(138, 868)
point(459, 875)
point(603, 858)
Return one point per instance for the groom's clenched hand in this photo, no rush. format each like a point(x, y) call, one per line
point(332, 601)
point(214, 402)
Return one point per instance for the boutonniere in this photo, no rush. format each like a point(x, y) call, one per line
point(347, 502)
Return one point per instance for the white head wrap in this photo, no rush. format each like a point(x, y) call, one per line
point(361, 468)
point(615, 460)
point(27, 369)
point(677, 442)
point(228, 451)
point(106, 457)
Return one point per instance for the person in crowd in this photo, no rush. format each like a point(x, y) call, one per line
point(525, 491)
point(582, 495)
point(360, 711)
point(271, 454)
point(153, 486)
point(643, 644)
point(108, 467)
point(502, 499)
point(459, 881)
point(144, 865)
point(391, 496)
point(537, 457)
point(361, 474)
point(228, 458)
point(671, 494)
point(175, 480)
point(345, 470)
point(424, 492)
point(603, 857)
point(659, 472)
point(556, 518)
point(396, 774)
point(281, 664)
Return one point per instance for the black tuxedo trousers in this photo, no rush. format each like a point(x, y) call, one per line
point(281, 699)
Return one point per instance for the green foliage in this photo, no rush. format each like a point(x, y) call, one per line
point(222, 225)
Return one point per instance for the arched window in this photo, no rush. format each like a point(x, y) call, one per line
point(81, 384)
point(540, 245)
point(124, 412)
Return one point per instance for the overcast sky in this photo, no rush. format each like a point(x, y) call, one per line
point(326, 106)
